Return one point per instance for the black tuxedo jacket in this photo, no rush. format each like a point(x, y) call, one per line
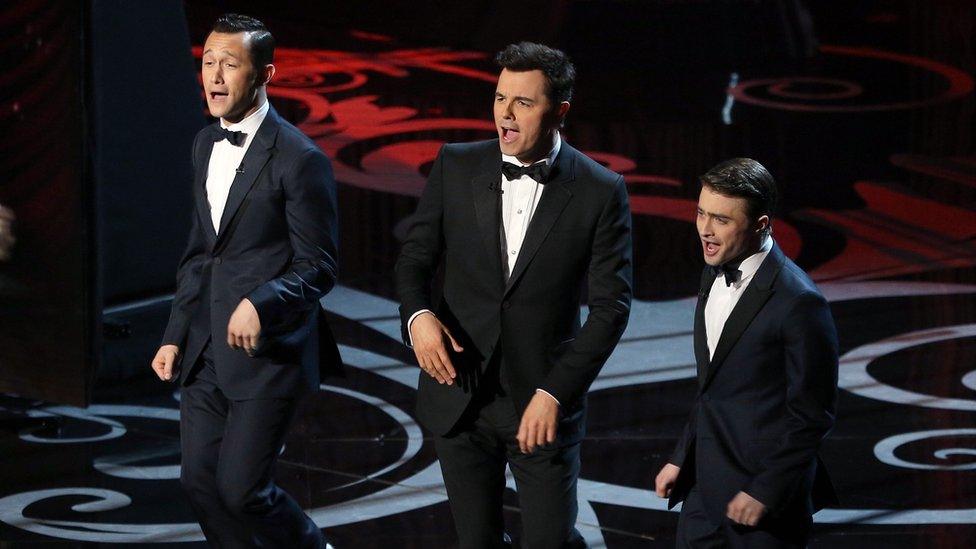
point(277, 247)
point(579, 239)
point(766, 399)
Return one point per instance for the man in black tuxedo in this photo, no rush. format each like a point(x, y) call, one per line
point(246, 315)
point(747, 465)
point(523, 225)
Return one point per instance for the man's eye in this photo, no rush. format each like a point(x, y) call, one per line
point(523, 103)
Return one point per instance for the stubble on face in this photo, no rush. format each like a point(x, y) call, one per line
point(525, 118)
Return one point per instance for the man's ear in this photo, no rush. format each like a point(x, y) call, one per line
point(762, 223)
point(561, 112)
point(268, 74)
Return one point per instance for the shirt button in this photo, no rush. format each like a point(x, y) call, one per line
point(520, 211)
point(513, 252)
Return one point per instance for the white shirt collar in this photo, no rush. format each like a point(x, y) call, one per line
point(750, 265)
point(556, 144)
point(251, 123)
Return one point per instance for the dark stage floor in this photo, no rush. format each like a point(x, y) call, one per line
point(872, 141)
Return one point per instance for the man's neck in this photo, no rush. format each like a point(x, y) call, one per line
point(259, 99)
point(541, 151)
point(754, 248)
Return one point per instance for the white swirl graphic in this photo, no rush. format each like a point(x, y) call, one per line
point(12, 512)
point(655, 348)
point(854, 375)
point(885, 450)
point(13, 508)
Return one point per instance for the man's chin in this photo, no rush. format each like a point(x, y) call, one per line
point(507, 149)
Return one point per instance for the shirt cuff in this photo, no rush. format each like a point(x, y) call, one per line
point(543, 391)
point(410, 323)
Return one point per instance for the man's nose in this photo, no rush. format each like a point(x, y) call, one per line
point(509, 112)
point(706, 228)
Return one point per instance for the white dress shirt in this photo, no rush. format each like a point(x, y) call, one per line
point(520, 198)
point(722, 298)
point(226, 158)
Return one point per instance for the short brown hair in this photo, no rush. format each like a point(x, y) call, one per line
point(744, 178)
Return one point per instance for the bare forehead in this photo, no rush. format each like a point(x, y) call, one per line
point(524, 83)
point(234, 44)
point(714, 203)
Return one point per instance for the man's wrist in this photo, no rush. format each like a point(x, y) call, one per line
point(548, 394)
point(410, 324)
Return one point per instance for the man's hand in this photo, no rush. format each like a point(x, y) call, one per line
point(665, 480)
point(745, 510)
point(429, 336)
point(244, 327)
point(7, 239)
point(539, 423)
point(164, 361)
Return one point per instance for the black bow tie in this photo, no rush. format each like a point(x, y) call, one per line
point(538, 171)
point(730, 271)
point(235, 138)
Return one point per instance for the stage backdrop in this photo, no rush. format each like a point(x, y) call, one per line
point(146, 108)
point(99, 114)
point(47, 298)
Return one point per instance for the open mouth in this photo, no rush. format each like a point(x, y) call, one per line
point(509, 135)
point(710, 248)
point(217, 96)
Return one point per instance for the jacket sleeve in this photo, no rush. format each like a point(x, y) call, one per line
point(421, 250)
point(188, 277)
point(311, 212)
point(609, 276)
point(687, 439)
point(810, 350)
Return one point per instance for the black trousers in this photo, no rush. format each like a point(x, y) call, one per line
point(473, 458)
point(696, 530)
point(229, 451)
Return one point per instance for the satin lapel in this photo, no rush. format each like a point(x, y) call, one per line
point(554, 199)
point(487, 199)
point(701, 338)
point(200, 188)
point(256, 157)
point(755, 296)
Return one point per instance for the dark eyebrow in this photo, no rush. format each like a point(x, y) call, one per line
point(517, 97)
point(229, 54)
point(713, 215)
